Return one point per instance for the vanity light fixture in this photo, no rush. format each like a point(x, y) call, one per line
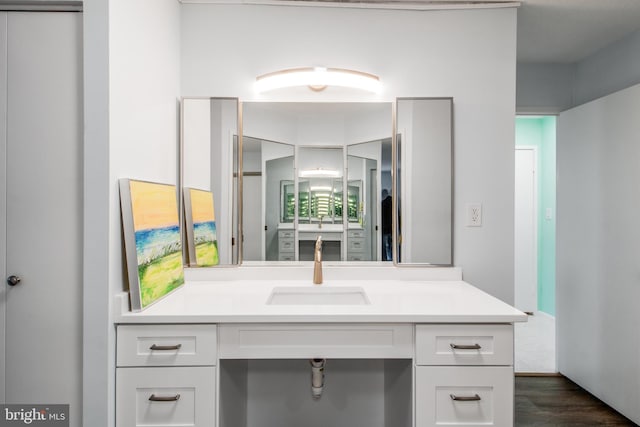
point(318, 79)
point(319, 173)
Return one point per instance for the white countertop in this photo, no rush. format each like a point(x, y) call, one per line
point(391, 301)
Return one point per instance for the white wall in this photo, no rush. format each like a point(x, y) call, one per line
point(132, 79)
point(598, 242)
point(415, 54)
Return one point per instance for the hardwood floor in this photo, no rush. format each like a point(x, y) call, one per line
point(557, 401)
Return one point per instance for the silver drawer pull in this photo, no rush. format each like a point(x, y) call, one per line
point(465, 347)
point(473, 398)
point(155, 398)
point(165, 347)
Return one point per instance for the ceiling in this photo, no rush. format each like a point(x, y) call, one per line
point(566, 31)
point(549, 31)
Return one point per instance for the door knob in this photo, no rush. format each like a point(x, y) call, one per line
point(13, 280)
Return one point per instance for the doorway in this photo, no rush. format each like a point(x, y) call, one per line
point(534, 242)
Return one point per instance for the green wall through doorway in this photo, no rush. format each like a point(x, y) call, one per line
point(540, 132)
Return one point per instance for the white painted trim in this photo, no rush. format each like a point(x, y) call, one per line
point(98, 379)
point(395, 5)
point(41, 6)
point(537, 111)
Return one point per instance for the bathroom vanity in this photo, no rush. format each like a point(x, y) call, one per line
point(403, 348)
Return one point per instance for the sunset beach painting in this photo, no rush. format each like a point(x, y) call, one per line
point(200, 222)
point(152, 240)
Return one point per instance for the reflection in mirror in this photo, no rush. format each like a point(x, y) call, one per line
point(209, 164)
point(337, 161)
point(424, 181)
point(320, 176)
point(369, 169)
point(267, 169)
point(287, 201)
point(320, 173)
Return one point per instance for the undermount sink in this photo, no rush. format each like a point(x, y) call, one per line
point(299, 295)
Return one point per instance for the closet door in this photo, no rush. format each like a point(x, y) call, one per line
point(42, 197)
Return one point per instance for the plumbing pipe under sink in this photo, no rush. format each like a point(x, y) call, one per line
point(317, 377)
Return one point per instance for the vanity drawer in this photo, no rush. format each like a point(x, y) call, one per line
point(286, 256)
point(166, 345)
point(464, 396)
point(355, 245)
point(176, 396)
point(286, 245)
point(286, 234)
point(346, 341)
point(356, 234)
point(464, 344)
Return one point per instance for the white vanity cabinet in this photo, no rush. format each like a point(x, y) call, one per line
point(286, 245)
point(416, 355)
point(166, 375)
point(464, 375)
point(356, 246)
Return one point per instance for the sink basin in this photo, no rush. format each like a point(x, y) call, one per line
point(307, 295)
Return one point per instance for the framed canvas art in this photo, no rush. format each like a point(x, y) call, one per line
point(200, 228)
point(152, 240)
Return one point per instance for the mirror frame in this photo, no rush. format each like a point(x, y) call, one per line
point(394, 178)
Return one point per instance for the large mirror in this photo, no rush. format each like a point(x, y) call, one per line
point(424, 181)
point(303, 170)
point(209, 160)
point(325, 180)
